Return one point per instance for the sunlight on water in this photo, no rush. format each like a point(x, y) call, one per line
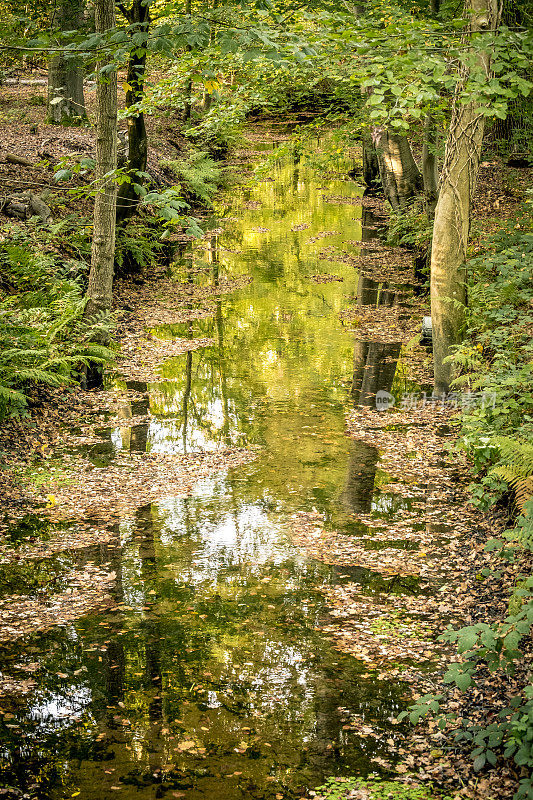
point(209, 679)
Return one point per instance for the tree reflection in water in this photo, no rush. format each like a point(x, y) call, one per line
point(209, 669)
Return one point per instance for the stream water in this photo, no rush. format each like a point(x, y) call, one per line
point(211, 679)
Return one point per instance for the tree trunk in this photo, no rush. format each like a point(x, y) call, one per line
point(452, 214)
point(209, 94)
point(400, 177)
point(370, 163)
point(66, 104)
point(100, 288)
point(430, 170)
point(188, 86)
point(128, 198)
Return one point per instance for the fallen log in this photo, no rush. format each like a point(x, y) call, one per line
point(12, 159)
point(13, 208)
point(31, 205)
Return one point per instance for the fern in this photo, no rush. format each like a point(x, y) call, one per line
point(199, 177)
point(515, 468)
point(43, 338)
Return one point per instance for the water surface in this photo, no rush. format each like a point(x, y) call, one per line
point(209, 678)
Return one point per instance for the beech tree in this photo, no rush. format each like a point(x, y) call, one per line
point(138, 17)
point(66, 103)
point(452, 214)
point(100, 288)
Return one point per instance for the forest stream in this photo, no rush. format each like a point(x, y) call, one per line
point(209, 677)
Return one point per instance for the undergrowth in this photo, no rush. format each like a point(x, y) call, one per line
point(496, 360)
point(43, 339)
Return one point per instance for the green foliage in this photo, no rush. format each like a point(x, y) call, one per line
point(138, 246)
point(43, 339)
point(199, 177)
point(515, 467)
point(497, 358)
point(409, 228)
point(36, 100)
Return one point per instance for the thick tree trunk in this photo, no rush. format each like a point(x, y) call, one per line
point(430, 170)
point(400, 177)
point(100, 288)
point(128, 198)
point(66, 104)
point(452, 214)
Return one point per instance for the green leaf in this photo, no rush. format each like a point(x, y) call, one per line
point(479, 762)
point(63, 175)
point(463, 681)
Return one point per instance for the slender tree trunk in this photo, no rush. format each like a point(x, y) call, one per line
point(100, 288)
point(452, 214)
point(430, 170)
point(209, 94)
point(127, 199)
point(66, 104)
point(400, 177)
point(188, 85)
point(370, 163)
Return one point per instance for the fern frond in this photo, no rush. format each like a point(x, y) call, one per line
point(36, 375)
point(11, 395)
point(517, 453)
point(515, 467)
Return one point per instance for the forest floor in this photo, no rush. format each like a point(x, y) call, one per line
point(398, 635)
point(45, 471)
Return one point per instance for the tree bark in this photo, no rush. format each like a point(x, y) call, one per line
point(400, 177)
point(128, 199)
point(430, 170)
point(188, 85)
point(100, 288)
point(66, 103)
point(370, 163)
point(452, 214)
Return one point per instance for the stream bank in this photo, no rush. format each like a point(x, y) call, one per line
point(263, 574)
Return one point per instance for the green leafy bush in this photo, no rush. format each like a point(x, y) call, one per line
point(409, 228)
point(138, 246)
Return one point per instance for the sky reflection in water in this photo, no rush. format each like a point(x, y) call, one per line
point(210, 680)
